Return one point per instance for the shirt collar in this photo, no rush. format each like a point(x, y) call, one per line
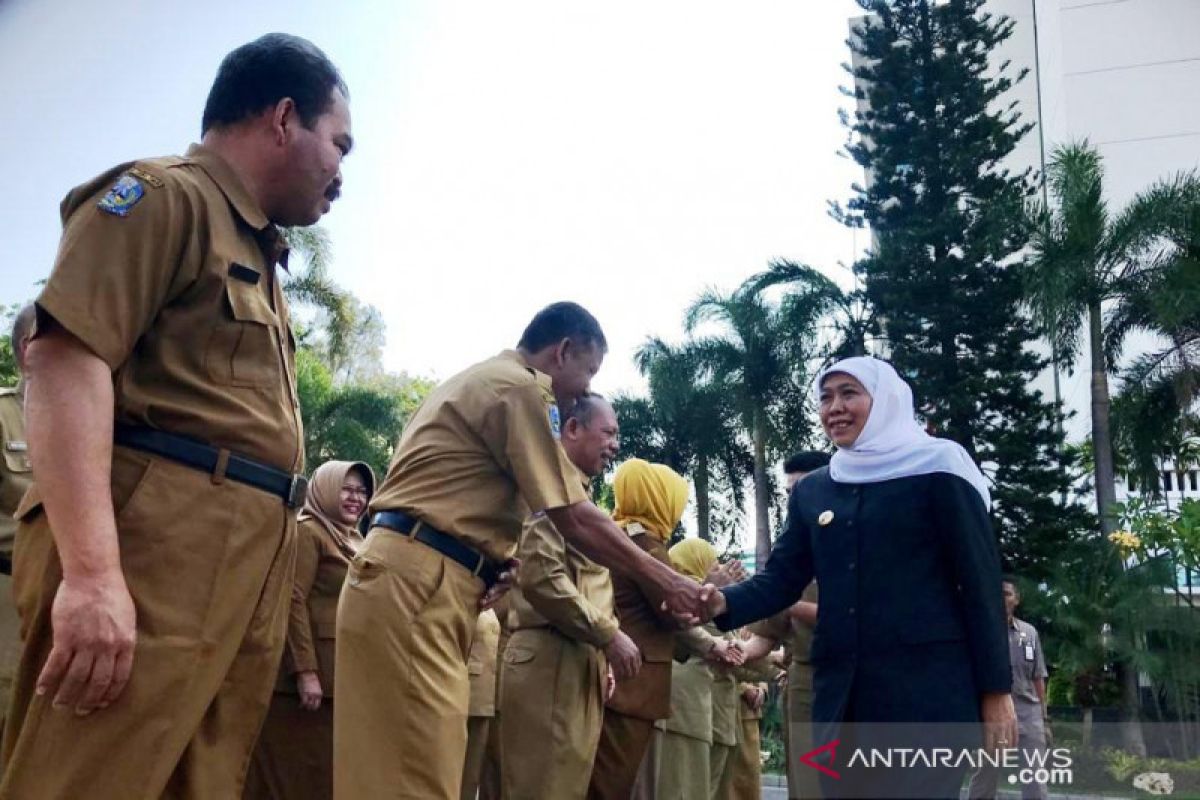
point(243, 203)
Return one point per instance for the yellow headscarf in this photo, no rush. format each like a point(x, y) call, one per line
point(693, 558)
point(651, 494)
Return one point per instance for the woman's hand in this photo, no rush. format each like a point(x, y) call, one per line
point(999, 721)
point(309, 687)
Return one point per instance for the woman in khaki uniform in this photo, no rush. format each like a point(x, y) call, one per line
point(294, 756)
point(697, 735)
point(650, 501)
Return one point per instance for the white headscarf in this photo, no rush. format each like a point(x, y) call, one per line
point(893, 444)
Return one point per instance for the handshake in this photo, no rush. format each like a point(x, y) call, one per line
point(694, 604)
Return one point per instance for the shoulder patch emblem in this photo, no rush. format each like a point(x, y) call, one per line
point(555, 420)
point(123, 196)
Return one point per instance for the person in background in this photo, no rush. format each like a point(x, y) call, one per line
point(911, 628)
point(650, 500)
point(293, 759)
point(1029, 697)
point(481, 666)
point(16, 476)
point(566, 641)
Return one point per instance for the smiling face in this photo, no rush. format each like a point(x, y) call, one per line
point(845, 406)
point(353, 497)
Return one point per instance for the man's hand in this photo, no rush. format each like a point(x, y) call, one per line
point(999, 721)
point(624, 657)
point(95, 630)
point(504, 581)
point(610, 685)
point(686, 600)
point(309, 687)
point(753, 697)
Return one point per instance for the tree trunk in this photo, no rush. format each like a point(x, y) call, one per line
point(703, 507)
point(1106, 499)
point(1102, 453)
point(762, 499)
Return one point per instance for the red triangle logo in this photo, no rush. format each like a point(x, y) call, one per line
point(806, 759)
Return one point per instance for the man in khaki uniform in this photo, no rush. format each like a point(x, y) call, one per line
point(565, 638)
point(153, 558)
point(481, 713)
point(480, 451)
point(15, 477)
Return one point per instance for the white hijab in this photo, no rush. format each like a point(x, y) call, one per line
point(892, 444)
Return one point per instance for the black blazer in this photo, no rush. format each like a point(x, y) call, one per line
point(911, 620)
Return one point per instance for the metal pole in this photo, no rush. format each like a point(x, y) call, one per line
point(1041, 126)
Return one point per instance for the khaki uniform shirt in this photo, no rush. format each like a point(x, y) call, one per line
point(560, 587)
point(15, 472)
point(481, 665)
point(321, 568)
point(480, 444)
point(176, 290)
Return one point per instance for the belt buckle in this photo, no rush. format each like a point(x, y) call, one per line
point(297, 491)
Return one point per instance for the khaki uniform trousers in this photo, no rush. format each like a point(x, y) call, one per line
point(294, 756)
point(721, 762)
point(646, 785)
point(623, 743)
point(685, 769)
point(10, 644)
point(552, 703)
point(209, 567)
point(478, 731)
point(405, 623)
point(747, 765)
point(803, 782)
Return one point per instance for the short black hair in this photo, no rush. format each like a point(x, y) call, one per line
point(562, 320)
point(23, 322)
point(585, 408)
point(1011, 581)
point(805, 461)
point(258, 75)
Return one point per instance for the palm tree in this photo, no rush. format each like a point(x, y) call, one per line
point(313, 287)
point(762, 352)
point(1083, 258)
point(850, 318)
point(697, 422)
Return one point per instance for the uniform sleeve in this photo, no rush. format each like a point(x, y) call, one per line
point(547, 584)
point(788, 570)
point(302, 654)
point(967, 533)
point(520, 430)
point(1039, 665)
point(113, 273)
point(776, 627)
point(695, 642)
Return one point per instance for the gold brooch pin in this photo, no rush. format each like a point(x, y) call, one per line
point(825, 518)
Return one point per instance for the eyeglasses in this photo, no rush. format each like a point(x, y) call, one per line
point(361, 491)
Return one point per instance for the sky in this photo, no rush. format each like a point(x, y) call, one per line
point(624, 155)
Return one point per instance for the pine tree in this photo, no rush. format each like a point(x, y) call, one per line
point(944, 274)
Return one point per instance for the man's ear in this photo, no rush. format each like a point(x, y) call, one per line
point(560, 352)
point(283, 119)
point(570, 428)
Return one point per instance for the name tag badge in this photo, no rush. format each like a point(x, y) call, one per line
point(1029, 652)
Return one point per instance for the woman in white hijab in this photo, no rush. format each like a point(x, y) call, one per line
point(910, 649)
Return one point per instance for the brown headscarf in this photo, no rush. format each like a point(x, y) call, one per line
point(324, 500)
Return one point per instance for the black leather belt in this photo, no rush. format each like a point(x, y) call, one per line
point(444, 543)
point(292, 489)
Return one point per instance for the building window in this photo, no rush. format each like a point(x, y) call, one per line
point(1166, 478)
point(1192, 479)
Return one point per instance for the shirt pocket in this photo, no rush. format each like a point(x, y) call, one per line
point(242, 350)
